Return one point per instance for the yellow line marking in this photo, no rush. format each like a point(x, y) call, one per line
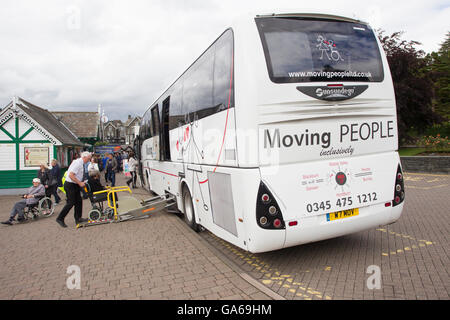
point(274, 276)
point(427, 188)
point(425, 174)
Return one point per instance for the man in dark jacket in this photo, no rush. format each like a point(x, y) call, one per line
point(55, 173)
point(111, 169)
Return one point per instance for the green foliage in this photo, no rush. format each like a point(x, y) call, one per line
point(100, 143)
point(408, 152)
point(413, 85)
point(441, 129)
point(435, 143)
point(440, 70)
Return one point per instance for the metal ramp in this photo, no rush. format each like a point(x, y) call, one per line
point(130, 208)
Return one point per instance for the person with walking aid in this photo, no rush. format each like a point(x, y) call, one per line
point(33, 195)
point(73, 184)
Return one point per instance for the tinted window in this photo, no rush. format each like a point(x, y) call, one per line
point(198, 85)
point(204, 88)
point(155, 121)
point(176, 115)
point(223, 90)
point(304, 50)
point(145, 130)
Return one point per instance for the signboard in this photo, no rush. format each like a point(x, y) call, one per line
point(106, 149)
point(34, 156)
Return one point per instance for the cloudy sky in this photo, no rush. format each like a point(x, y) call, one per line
point(74, 55)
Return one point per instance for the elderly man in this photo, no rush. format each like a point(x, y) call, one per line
point(72, 185)
point(32, 197)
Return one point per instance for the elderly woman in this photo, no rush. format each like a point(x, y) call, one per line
point(45, 176)
point(32, 197)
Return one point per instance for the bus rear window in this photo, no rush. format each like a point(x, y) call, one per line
point(311, 50)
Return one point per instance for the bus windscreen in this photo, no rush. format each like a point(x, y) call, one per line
point(313, 50)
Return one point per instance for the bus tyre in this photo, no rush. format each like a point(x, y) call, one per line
point(189, 215)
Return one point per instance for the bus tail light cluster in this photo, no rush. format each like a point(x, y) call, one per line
point(399, 189)
point(268, 213)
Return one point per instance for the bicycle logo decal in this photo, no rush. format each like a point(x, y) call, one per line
point(329, 48)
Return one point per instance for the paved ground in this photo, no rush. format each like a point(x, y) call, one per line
point(154, 258)
point(160, 258)
point(412, 254)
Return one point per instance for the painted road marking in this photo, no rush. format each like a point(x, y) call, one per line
point(421, 243)
point(428, 178)
point(271, 276)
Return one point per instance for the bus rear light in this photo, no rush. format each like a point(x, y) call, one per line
point(399, 190)
point(277, 223)
point(387, 204)
point(268, 213)
point(293, 223)
point(263, 220)
point(272, 210)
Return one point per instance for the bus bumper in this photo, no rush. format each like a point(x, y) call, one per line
point(317, 228)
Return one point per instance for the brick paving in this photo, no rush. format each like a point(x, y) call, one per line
point(160, 258)
point(412, 254)
point(154, 258)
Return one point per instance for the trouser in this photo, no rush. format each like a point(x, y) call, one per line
point(133, 178)
point(112, 178)
point(73, 196)
point(55, 193)
point(18, 209)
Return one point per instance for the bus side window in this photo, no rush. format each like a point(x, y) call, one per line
point(197, 87)
point(155, 121)
point(165, 141)
point(222, 72)
point(176, 115)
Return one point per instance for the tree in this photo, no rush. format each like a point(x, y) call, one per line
point(440, 68)
point(413, 84)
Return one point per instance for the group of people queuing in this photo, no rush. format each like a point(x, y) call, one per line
point(85, 169)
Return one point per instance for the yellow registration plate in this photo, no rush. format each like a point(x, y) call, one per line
point(342, 214)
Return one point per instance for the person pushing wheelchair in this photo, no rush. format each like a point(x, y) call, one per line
point(35, 192)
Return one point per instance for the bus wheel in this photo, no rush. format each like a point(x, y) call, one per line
point(189, 215)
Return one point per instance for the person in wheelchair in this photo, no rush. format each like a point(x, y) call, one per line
point(34, 194)
point(94, 181)
point(94, 185)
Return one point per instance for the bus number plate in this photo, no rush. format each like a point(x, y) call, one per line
point(342, 214)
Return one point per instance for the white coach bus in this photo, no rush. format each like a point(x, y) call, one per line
point(282, 132)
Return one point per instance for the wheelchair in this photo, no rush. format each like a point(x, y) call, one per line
point(43, 208)
point(99, 210)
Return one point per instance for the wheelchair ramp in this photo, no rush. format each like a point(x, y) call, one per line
point(130, 208)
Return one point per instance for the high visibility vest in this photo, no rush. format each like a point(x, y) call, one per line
point(63, 180)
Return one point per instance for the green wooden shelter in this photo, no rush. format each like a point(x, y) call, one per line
point(30, 135)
